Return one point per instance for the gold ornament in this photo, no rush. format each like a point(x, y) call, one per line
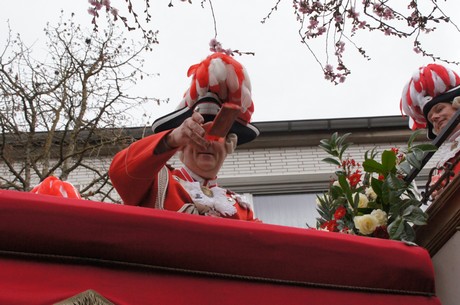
point(207, 191)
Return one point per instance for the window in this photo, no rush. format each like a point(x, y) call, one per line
point(294, 210)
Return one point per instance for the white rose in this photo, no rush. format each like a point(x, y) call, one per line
point(381, 216)
point(366, 224)
point(363, 201)
point(370, 193)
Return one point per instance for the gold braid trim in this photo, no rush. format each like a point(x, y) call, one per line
point(162, 182)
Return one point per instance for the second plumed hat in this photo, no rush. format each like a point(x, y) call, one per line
point(429, 85)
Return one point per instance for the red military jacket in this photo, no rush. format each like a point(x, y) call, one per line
point(136, 175)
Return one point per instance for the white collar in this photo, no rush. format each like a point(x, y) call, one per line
point(191, 177)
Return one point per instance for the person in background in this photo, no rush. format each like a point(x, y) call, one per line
point(140, 172)
point(430, 99)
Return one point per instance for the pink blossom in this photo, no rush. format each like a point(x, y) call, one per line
point(317, 5)
point(107, 5)
point(388, 14)
point(352, 13)
point(92, 12)
point(340, 48)
point(313, 23)
point(304, 8)
point(114, 11)
point(97, 5)
point(377, 9)
point(215, 46)
point(338, 18)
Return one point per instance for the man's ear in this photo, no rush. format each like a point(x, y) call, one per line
point(230, 143)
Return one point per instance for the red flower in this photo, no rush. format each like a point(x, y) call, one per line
point(330, 225)
point(354, 178)
point(340, 212)
point(381, 232)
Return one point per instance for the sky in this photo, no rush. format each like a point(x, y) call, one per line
point(287, 82)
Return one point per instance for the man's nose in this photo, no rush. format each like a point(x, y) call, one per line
point(435, 117)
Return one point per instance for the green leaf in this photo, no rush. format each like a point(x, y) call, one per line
point(336, 191)
point(345, 188)
point(343, 149)
point(324, 214)
point(336, 145)
point(405, 203)
point(334, 137)
point(426, 147)
point(405, 167)
point(413, 136)
point(394, 197)
point(332, 161)
point(324, 144)
point(356, 201)
point(363, 211)
point(389, 160)
point(408, 233)
point(394, 182)
point(372, 152)
point(415, 215)
point(377, 186)
point(340, 201)
point(373, 166)
point(419, 154)
point(414, 161)
point(342, 139)
point(385, 194)
point(321, 199)
point(396, 228)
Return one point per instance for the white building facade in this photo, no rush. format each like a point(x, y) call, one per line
point(282, 171)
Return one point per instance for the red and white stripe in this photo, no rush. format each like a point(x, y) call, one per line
point(222, 75)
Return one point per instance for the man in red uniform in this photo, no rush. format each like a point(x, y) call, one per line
point(430, 99)
point(140, 174)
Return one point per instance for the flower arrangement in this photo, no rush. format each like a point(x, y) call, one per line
point(372, 198)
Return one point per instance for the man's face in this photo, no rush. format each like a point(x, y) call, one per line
point(205, 162)
point(440, 115)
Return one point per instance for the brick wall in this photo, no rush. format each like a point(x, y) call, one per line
point(248, 163)
point(292, 160)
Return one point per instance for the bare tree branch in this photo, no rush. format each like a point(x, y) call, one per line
point(59, 114)
point(335, 23)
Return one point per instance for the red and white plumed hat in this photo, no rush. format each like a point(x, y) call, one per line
point(430, 85)
point(55, 187)
point(216, 80)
